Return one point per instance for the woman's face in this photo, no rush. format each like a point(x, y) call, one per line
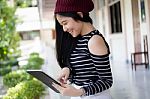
point(70, 25)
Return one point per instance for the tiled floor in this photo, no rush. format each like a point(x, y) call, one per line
point(130, 84)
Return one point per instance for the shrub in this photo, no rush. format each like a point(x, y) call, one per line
point(25, 90)
point(6, 65)
point(13, 78)
point(34, 62)
point(5, 70)
point(11, 63)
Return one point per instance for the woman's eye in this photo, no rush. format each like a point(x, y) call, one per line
point(64, 23)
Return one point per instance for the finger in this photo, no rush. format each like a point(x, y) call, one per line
point(65, 79)
point(58, 87)
point(63, 85)
point(54, 85)
point(61, 79)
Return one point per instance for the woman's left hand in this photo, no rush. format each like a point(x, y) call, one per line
point(68, 90)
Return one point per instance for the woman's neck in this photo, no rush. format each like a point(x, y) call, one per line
point(87, 28)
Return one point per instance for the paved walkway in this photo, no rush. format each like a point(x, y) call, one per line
point(2, 89)
point(130, 84)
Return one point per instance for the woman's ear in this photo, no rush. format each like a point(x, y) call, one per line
point(80, 14)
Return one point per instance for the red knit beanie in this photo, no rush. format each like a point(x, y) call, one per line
point(74, 6)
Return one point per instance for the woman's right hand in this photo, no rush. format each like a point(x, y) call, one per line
point(63, 75)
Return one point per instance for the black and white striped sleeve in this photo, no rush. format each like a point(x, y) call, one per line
point(104, 76)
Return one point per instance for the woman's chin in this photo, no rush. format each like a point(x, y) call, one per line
point(74, 35)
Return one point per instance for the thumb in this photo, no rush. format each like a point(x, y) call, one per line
point(65, 79)
point(63, 85)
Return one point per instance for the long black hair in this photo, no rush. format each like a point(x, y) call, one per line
point(64, 41)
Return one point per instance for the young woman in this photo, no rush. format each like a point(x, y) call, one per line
point(82, 52)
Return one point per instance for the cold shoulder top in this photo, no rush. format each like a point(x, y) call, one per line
point(91, 71)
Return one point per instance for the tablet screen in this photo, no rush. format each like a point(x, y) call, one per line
point(43, 77)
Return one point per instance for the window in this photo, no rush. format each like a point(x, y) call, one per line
point(29, 35)
point(115, 16)
point(143, 16)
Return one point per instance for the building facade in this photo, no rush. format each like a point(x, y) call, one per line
point(124, 23)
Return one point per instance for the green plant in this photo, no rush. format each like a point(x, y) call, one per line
point(34, 61)
point(5, 66)
point(5, 70)
point(13, 78)
point(9, 38)
point(11, 62)
point(23, 3)
point(26, 90)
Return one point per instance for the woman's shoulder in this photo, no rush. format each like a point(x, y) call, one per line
point(97, 45)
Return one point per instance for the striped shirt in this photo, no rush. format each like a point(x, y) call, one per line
point(91, 71)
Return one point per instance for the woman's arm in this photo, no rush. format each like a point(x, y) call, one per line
point(100, 58)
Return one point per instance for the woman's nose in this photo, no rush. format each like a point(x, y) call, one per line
point(65, 28)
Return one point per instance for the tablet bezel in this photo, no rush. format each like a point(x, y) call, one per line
point(43, 77)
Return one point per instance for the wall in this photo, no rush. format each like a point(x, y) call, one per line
point(148, 22)
point(143, 24)
point(116, 41)
point(128, 27)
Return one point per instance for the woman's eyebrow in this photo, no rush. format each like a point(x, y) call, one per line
point(63, 21)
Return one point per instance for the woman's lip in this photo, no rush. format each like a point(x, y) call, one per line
point(70, 32)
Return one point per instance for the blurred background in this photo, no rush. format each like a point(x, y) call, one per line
point(27, 41)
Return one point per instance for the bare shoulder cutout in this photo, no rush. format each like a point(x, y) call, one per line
point(97, 46)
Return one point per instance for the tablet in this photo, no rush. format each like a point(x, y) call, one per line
point(43, 77)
